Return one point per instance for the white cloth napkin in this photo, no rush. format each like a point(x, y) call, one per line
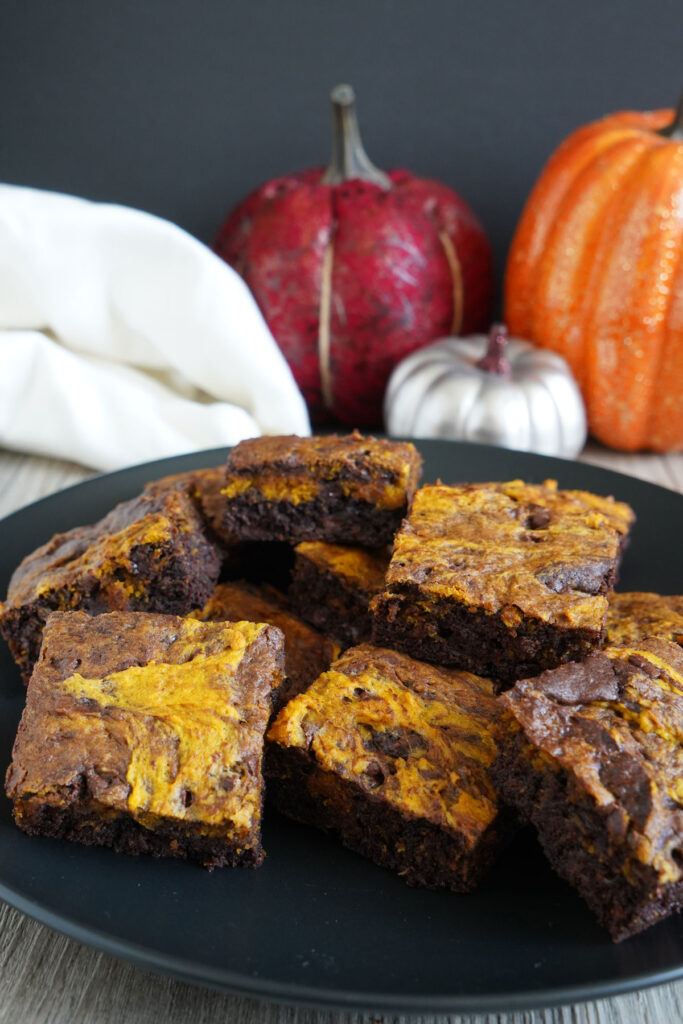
point(124, 339)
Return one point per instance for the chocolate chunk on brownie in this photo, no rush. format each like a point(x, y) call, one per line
point(393, 756)
point(307, 652)
point(634, 616)
point(502, 579)
point(347, 490)
point(333, 584)
point(148, 554)
point(144, 732)
point(593, 759)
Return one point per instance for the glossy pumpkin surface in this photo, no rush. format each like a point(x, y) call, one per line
point(595, 272)
point(494, 390)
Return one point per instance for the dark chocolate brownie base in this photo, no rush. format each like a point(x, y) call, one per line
point(446, 633)
point(423, 854)
point(125, 835)
point(340, 612)
point(567, 823)
point(335, 518)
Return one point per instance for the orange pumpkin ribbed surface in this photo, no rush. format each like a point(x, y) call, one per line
point(595, 272)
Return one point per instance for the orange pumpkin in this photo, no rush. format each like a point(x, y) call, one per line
point(595, 272)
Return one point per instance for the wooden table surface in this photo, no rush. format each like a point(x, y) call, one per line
point(47, 978)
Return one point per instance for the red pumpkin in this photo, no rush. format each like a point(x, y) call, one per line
point(353, 269)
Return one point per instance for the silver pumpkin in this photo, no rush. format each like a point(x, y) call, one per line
point(495, 390)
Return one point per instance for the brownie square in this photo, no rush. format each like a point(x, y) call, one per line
point(307, 652)
point(501, 579)
point(352, 489)
point(333, 584)
point(393, 755)
point(593, 759)
point(633, 616)
point(148, 554)
point(144, 732)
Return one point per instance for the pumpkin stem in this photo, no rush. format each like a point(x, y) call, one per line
point(495, 360)
point(349, 159)
point(675, 129)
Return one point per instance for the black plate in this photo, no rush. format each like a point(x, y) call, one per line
point(318, 924)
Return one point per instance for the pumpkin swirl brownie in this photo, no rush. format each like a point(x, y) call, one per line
point(394, 756)
point(593, 758)
point(332, 586)
point(501, 579)
point(307, 652)
point(348, 490)
point(634, 616)
point(148, 554)
point(144, 733)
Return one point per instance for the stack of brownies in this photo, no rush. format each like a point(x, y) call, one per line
point(355, 667)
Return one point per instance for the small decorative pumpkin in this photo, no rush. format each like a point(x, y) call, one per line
point(354, 268)
point(495, 390)
point(595, 273)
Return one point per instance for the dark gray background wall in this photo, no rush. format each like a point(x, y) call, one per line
point(180, 107)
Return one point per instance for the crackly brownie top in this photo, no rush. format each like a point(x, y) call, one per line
point(294, 468)
point(615, 723)
point(419, 737)
point(634, 616)
point(154, 715)
point(307, 652)
point(514, 548)
point(105, 553)
point(363, 568)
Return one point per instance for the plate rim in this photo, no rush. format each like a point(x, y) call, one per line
point(295, 994)
point(241, 985)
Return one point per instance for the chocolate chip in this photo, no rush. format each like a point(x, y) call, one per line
point(624, 672)
point(394, 742)
point(625, 776)
point(88, 704)
point(66, 666)
point(122, 664)
point(537, 517)
point(594, 733)
point(78, 788)
point(645, 666)
point(589, 578)
point(373, 775)
point(189, 655)
point(617, 823)
point(187, 798)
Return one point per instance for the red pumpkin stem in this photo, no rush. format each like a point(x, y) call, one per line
point(349, 159)
point(495, 360)
point(675, 129)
